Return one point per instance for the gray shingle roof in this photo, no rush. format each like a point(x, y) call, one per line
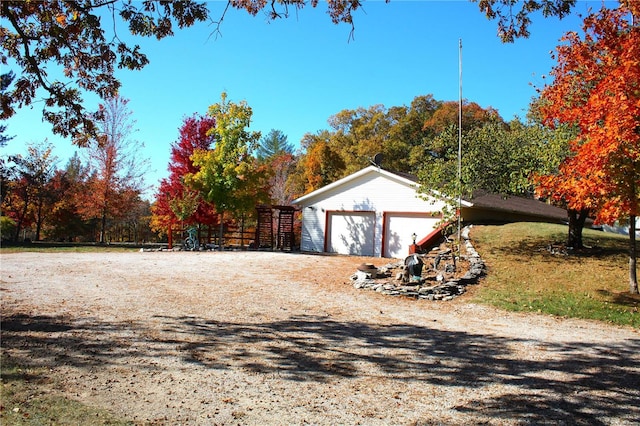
point(514, 204)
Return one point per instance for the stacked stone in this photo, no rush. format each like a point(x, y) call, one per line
point(380, 279)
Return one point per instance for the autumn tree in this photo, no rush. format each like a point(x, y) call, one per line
point(80, 40)
point(275, 153)
point(408, 134)
point(133, 225)
point(5, 82)
point(175, 202)
point(28, 192)
point(356, 136)
point(320, 165)
point(514, 18)
point(280, 169)
point(118, 171)
point(5, 173)
point(227, 175)
point(68, 184)
point(408, 137)
point(446, 114)
point(74, 38)
point(596, 87)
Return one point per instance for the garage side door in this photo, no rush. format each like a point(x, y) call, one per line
point(351, 233)
point(398, 230)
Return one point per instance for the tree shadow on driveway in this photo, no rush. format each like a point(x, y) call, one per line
point(573, 383)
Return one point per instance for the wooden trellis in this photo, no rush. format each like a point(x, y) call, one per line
point(285, 237)
point(264, 230)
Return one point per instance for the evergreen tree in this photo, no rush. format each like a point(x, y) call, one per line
point(273, 144)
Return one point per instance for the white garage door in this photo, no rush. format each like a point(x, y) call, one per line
point(351, 233)
point(398, 230)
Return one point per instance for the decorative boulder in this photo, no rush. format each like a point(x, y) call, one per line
point(368, 269)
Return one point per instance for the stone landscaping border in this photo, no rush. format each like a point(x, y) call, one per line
point(436, 283)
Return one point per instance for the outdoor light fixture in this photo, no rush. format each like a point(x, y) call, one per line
point(414, 236)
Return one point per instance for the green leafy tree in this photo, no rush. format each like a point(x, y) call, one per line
point(503, 159)
point(497, 158)
point(227, 176)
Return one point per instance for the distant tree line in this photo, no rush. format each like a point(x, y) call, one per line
point(96, 197)
point(217, 167)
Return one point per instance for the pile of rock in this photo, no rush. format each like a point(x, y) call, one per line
point(441, 277)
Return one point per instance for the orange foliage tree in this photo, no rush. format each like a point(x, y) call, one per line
point(473, 116)
point(321, 165)
point(596, 88)
point(117, 170)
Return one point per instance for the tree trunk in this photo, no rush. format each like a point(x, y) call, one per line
point(21, 218)
point(103, 226)
point(633, 276)
point(39, 220)
point(577, 219)
point(221, 230)
point(242, 232)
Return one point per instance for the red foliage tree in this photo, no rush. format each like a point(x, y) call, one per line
point(175, 203)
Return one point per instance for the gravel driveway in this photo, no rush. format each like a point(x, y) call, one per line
point(261, 338)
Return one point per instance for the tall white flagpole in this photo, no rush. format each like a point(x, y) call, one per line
point(460, 141)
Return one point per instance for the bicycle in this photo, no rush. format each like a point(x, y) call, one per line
point(191, 242)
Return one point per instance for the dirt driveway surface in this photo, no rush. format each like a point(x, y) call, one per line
point(248, 338)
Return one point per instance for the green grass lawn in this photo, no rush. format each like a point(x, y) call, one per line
point(524, 275)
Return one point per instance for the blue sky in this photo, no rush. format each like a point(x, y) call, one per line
point(297, 72)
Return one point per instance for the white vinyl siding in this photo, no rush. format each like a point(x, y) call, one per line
point(312, 238)
point(370, 190)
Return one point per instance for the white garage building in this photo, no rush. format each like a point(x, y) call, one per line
point(372, 212)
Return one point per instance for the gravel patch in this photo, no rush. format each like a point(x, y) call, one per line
point(267, 338)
